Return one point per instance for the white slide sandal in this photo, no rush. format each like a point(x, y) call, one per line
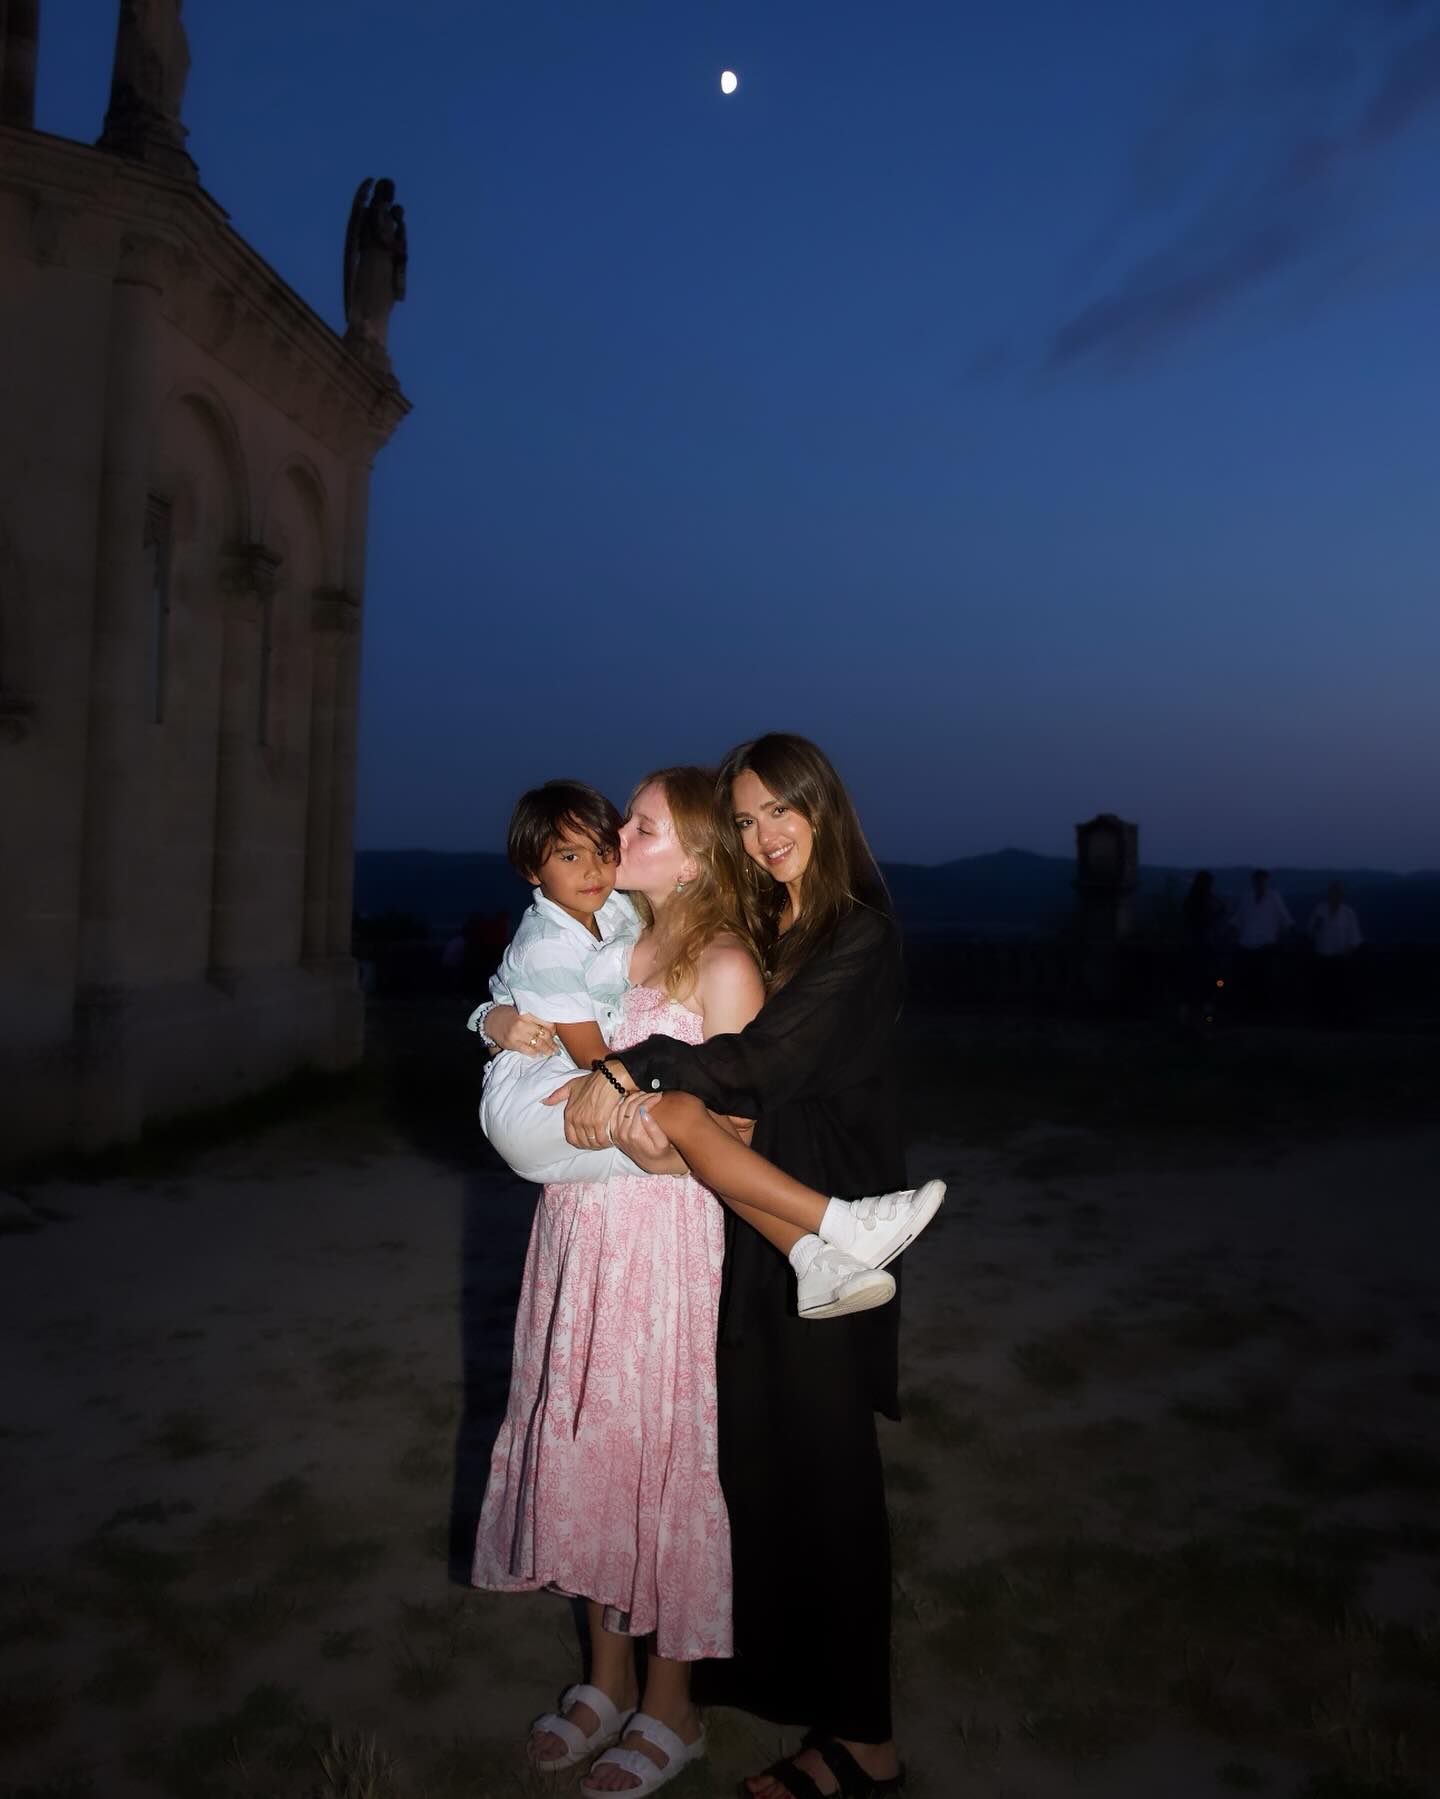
point(636, 1762)
point(613, 1723)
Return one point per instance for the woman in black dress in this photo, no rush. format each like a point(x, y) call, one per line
point(799, 1456)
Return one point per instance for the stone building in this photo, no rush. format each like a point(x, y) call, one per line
point(185, 461)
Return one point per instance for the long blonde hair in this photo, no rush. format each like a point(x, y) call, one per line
point(709, 907)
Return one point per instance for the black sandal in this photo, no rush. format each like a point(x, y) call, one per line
point(852, 1782)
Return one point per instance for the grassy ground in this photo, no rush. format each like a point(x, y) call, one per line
point(1164, 1502)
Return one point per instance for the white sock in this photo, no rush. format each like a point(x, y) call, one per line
point(804, 1253)
point(838, 1224)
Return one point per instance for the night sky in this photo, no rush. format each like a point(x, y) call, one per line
point(1037, 404)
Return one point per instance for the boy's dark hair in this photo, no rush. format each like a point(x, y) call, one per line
point(545, 813)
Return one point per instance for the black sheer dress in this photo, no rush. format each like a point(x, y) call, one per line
point(799, 1456)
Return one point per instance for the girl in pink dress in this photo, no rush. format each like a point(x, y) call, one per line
point(604, 1480)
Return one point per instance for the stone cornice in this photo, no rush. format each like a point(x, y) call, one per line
point(94, 211)
point(249, 571)
point(333, 609)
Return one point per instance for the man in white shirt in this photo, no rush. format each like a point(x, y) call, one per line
point(1262, 920)
point(1334, 930)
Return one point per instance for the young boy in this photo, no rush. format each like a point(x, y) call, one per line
point(568, 964)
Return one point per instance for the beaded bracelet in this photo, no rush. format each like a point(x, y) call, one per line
point(598, 1067)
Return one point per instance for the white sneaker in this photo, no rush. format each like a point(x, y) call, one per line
point(835, 1283)
point(876, 1230)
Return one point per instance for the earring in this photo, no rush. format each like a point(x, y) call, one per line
point(680, 886)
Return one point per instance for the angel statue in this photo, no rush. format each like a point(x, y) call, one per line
point(375, 257)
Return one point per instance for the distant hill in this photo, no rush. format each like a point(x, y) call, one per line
point(1008, 893)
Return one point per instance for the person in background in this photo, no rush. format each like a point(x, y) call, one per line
point(1262, 921)
point(1334, 931)
point(1206, 922)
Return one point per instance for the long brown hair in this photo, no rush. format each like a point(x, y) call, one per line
point(842, 871)
point(710, 906)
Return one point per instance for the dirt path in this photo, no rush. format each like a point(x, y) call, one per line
point(1163, 1506)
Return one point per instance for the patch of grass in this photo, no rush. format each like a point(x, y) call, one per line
point(133, 1565)
point(342, 1561)
point(1341, 1784)
point(30, 1710)
point(344, 1645)
point(125, 1679)
point(28, 1614)
point(354, 1369)
point(1078, 1729)
point(1214, 1325)
point(441, 1414)
point(466, 1766)
point(185, 1437)
point(1241, 1777)
point(423, 1673)
point(938, 1417)
point(254, 1613)
point(422, 1465)
point(353, 1765)
point(1345, 1468)
point(434, 1543)
point(1244, 1408)
point(153, 1511)
point(1096, 1639)
point(1055, 1361)
point(61, 1786)
point(905, 1477)
point(269, 1722)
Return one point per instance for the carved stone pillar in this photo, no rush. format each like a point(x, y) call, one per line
point(249, 577)
point(334, 617)
point(111, 949)
point(347, 714)
point(19, 54)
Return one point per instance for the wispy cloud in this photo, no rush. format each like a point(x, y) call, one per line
point(1259, 167)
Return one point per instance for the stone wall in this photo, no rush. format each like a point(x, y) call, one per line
point(184, 477)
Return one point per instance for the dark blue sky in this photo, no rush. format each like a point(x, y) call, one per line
point(1036, 404)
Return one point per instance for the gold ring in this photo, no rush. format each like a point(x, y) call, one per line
point(535, 1039)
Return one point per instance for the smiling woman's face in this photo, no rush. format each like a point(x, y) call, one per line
point(775, 836)
point(652, 857)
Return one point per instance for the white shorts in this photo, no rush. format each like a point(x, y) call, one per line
point(530, 1136)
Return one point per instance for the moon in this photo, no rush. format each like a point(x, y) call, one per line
point(729, 81)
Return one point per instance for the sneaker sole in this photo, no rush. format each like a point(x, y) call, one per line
point(858, 1297)
point(928, 1200)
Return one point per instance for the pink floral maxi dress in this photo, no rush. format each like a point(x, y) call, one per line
point(604, 1479)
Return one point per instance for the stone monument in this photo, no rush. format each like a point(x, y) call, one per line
point(376, 254)
point(147, 87)
point(185, 475)
point(1107, 872)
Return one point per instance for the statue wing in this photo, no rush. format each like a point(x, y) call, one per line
point(352, 242)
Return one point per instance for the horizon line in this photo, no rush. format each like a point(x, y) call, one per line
point(1328, 869)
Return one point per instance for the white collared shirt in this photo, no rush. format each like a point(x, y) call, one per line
point(1335, 933)
point(554, 969)
point(1261, 922)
